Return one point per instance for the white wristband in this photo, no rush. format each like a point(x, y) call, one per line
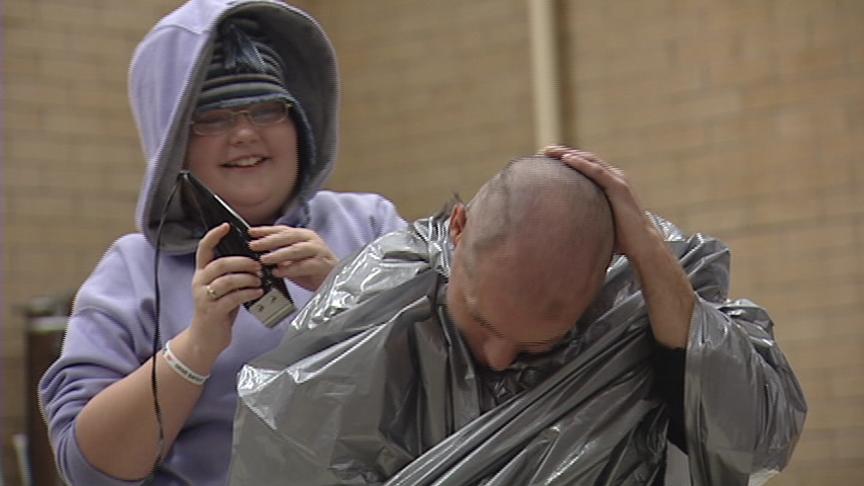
point(180, 368)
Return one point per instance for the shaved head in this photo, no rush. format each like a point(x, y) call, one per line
point(532, 248)
point(549, 218)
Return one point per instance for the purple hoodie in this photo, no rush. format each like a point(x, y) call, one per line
point(110, 331)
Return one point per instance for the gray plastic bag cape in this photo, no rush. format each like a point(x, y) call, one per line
point(373, 385)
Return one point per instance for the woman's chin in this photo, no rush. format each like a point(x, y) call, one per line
point(255, 215)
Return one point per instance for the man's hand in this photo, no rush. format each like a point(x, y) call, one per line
point(667, 291)
point(634, 231)
point(298, 254)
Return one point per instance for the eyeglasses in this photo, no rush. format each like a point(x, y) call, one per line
point(215, 122)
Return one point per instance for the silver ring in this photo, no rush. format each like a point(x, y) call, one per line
point(210, 292)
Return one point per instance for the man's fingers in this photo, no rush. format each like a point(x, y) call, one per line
point(553, 150)
point(560, 152)
point(590, 157)
point(585, 166)
point(611, 179)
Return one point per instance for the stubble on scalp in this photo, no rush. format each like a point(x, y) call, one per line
point(548, 224)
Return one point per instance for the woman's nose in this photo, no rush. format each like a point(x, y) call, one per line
point(243, 130)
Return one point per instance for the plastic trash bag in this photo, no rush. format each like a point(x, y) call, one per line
point(373, 385)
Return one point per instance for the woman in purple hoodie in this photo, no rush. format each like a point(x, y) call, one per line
point(244, 95)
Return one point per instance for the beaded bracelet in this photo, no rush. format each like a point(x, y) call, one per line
point(180, 368)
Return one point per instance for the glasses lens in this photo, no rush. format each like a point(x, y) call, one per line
point(214, 121)
point(268, 113)
point(218, 121)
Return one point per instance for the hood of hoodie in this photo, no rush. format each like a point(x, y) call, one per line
point(165, 77)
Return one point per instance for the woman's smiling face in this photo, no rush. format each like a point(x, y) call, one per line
point(253, 168)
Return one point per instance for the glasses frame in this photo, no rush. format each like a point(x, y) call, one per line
point(232, 121)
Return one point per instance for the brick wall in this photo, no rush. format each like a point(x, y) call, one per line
point(71, 159)
point(735, 118)
point(436, 95)
point(745, 120)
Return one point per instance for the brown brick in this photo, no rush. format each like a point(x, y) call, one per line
point(836, 414)
point(26, 38)
point(797, 91)
point(827, 352)
point(848, 384)
point(742, 72)
point(849, 442)
point(32, 93)
point(740, 119)
point(16, 65)
point(77, 15)
point(814, 60)
point(19, 13)
point(818, 446)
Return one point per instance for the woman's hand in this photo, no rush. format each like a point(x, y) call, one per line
point(297, 254)
point(220, 286)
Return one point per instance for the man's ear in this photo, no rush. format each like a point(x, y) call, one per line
point(458, 219)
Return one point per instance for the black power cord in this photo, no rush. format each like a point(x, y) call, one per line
point(157, 345)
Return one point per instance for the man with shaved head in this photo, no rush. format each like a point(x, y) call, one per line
point(548, 332)
point(531, 253)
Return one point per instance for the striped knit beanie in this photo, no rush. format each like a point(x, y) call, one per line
point(245, 69)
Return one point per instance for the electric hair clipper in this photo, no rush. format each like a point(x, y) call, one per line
point(276, 303)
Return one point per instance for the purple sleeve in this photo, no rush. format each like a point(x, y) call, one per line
point(103, 342)
point(348, 221)
point(387, 218)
